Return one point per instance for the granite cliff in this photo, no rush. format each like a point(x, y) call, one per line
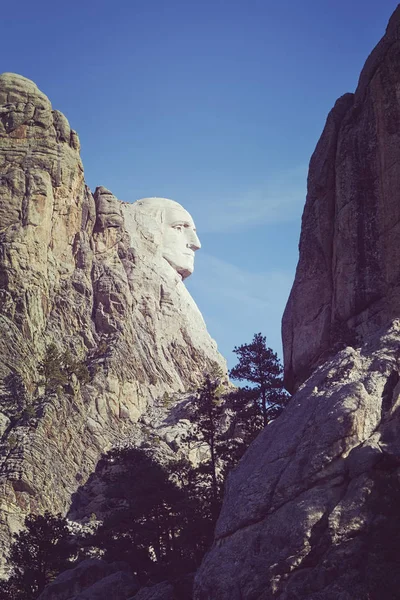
point(347, 279)
point(311, 511)
point(92, 278)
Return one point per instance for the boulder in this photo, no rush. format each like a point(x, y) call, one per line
point(118, 586)
point(161, 591)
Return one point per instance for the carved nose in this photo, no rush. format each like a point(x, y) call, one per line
point(194, 242)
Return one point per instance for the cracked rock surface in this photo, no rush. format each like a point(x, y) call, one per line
point(74, 273)
point(306, 511)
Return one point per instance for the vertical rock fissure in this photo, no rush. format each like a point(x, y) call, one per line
point(388, 392)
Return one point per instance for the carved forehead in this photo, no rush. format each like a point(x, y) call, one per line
point(168, 211)
point(156, 204)
point(177, 215)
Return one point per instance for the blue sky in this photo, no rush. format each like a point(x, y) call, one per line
point(216, 104)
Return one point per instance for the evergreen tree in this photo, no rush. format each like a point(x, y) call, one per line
point(38, 554)
point(259, 366)
point(57, 368)
point(196, 533)
point(14, 398)
point(149, 513)
point(207, 418)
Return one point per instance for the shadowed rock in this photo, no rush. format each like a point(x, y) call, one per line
point(312, 510)
point(92, 579)
point(348, 277)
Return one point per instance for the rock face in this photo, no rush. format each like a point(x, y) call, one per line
point(96, 278)
point(348, 276)
point(312, 510)
point(93, 579)
point(162, 591)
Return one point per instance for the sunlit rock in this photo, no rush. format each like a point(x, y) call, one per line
point(98, 278)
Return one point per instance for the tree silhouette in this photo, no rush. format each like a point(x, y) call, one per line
point(259, 366)
point(38, 554)
point(150, 513)
point(207, 417)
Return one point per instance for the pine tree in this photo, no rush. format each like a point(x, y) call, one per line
point(149, 517)
point(57, 368)
point(52, 369)
point(259, 366)
point(208, 407)
point(38, 554)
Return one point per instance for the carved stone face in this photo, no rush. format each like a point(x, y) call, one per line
point(162, 228)
point(179, 241)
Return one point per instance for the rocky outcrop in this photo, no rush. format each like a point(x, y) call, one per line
point(82, 272)
point(312, 509)
point(93, 579)
point(347, 279)
point(162, 591)
point(161, 433)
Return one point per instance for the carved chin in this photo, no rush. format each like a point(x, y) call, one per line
point(183, 271)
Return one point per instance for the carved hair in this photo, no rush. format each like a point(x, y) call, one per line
point(145, 222)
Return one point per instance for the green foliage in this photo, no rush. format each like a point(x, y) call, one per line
point(197, 534)
point(12, 441)
point(15, 397)
point(81, 371)
point(101, 349)
point(160, 517)
point(148, 526)
point(208, 410)
point(57, 368)
point(52, 369)
point(227, 422)
point(259, 366)
point(38, 554)
point(28, 413)
point(167, 400)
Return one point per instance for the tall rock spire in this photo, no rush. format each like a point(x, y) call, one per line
point(311, 512)
point(347, 282)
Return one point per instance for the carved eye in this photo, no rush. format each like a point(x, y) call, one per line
point(178, 227)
